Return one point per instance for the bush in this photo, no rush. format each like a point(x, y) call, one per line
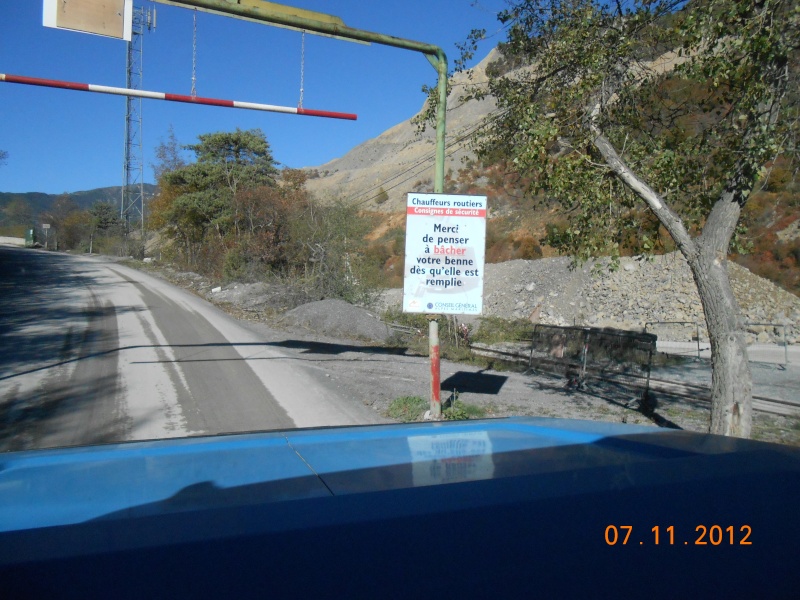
point(234, 268)
point(382, 197)
point(527, 248)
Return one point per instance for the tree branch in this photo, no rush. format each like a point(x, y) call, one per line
point(668, 218)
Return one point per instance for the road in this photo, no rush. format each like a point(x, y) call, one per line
point(777, 354)
point(775, 371)
point(93, 352)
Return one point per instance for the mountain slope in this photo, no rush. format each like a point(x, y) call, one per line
point(401, 159)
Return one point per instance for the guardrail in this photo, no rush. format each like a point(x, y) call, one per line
point(698, 344)
point(694, 324)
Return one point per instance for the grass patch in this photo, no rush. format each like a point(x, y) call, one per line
point(454, 345)
point(494, 330)
point(407, 408)
point(412, 408)
point(461, 411)
point(454, 409)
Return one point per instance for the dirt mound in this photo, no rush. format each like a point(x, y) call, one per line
point(337, 318)
point(258, 297)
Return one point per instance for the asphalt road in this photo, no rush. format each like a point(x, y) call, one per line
point(93, 352)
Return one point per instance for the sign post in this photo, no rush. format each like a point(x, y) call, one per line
point(445, 252)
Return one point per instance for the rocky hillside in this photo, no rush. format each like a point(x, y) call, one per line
point(401, 159)
point(660, 292)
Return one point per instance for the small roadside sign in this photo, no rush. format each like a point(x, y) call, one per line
point(445, 251)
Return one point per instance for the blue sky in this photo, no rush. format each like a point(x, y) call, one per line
point(66, 141)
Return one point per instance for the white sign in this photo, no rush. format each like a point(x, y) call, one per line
point(445, 250)
point(111, 18)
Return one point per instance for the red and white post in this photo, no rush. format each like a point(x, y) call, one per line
point(433, 345)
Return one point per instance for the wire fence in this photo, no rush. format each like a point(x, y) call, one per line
point(613, 359)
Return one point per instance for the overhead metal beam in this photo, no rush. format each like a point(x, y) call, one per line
point(279, 9)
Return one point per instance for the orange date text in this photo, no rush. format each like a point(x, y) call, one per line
point(703, 535)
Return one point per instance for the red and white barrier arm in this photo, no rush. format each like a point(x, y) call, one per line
point(103, 89)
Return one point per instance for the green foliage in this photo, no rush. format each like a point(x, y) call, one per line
point(168, 155)
point(235, 265)
point(604, 125)
point(493, 330)
point(412, 408)
point(461, 411)
point(767, 254)
point(105, 218)
point(407, 408)
point(98, 229)
point(454, 337)
point(105, 229)
point(67, 224)
point(327, 251)
point(413, 320)
point(209, 198)
point(18, 212)
point(688, 131)
point(233, 160)
point(428, 114)
point(230, 214)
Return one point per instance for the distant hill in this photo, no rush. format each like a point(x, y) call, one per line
point(40, 202)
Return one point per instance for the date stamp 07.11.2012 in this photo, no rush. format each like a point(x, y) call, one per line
point(703, 535)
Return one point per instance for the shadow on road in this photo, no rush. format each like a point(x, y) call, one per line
point(320, 348)
point(40, 418)
point(329, 348)
point(612, 392)
point(477, 383)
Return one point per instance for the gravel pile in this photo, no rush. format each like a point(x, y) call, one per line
point(657, 292)
point(339, 319)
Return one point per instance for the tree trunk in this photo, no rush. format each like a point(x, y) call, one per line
point(731, 380)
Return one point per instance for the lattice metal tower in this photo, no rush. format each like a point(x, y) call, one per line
point(132, 201)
